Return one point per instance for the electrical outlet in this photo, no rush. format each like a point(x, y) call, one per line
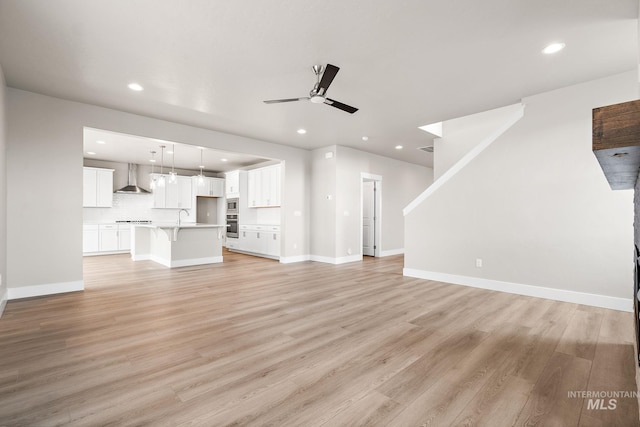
point(349, 251)
point(479, 262)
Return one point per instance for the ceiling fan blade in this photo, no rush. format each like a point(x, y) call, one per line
point(277, 101)
point(329, 74)
point(340, 105)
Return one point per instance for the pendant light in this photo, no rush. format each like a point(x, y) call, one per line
point(161, 180)
point(201, 176)
point(153, 176)
point(172, 175)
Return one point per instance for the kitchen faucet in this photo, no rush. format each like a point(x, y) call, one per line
point(179, 212)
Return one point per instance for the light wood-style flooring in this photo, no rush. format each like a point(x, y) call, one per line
point(254, 342)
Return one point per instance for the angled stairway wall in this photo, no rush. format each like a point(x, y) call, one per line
point(534, 206)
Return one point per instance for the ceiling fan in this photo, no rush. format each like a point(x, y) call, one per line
point(319, 91)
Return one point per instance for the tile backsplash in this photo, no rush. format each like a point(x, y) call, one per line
point(132, 207)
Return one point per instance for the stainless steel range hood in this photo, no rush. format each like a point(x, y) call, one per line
point(132, 182)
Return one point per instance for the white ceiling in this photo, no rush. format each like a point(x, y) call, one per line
point(404, 64)
point(118, 147)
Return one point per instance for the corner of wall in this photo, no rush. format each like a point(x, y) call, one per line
point(3, 193)
point(4, 297)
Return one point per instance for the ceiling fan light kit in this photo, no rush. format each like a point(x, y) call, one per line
point(319, 91)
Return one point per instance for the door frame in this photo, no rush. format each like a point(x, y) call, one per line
point(377, 230)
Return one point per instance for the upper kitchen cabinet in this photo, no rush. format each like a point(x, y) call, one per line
point(208, 187)
point(172, 195)
point(97, 188)
point(264, 187)
point(232, 184)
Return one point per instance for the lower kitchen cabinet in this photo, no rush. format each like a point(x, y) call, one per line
point(124, 237)
point(108, 237)
point(102, 239)
point(90, 238)
point(262, 240)
point(232, 243)
point(273, 243)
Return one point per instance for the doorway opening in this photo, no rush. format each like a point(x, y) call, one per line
point(371, 220)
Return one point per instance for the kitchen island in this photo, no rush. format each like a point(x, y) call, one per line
point(177, 245)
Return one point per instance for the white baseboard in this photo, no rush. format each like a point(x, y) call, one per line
point(46, 289)
point(186, 262)
point(239, 251)
point(140, 257)
point(339, 260)
point(614, 303)
point(292, 259)
point(196, 261)
point(392, 252)
point(105, 253)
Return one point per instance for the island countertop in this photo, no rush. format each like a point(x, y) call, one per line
point(181, 225)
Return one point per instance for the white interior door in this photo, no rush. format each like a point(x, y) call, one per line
point(368, 218)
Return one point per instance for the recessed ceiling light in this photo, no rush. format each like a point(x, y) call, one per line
point(553, 48)
point(365, 138)
point(100, 142)
point(302, 131)
point(398, 147)
point(224, 160)
point(201, 166)
point(169, 152)
point(152, 160)
point(135, 86)
point(91, 153)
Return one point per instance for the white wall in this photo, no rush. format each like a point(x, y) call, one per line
point(336, 223)
point(460, 135)
point(401, 183)
point(44, 177)
point(3, 194)
point(323, 202)
point(535, 207)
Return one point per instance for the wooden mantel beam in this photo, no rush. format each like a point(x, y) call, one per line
point(616, 142)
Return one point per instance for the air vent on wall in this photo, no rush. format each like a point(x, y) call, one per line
point(427, 149)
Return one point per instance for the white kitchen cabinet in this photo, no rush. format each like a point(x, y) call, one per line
point(209, 187)
point(90, 238)
point(253, 180)
point(97, 187)
point(264, 187)
point(262, 240)
point(184, 192)
point(232, 243)
point(172, 195)
point(108, 237)
point(124, 237)
point(272, 239)
point(271, 186)
point(232, 184)
point(249, 241)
